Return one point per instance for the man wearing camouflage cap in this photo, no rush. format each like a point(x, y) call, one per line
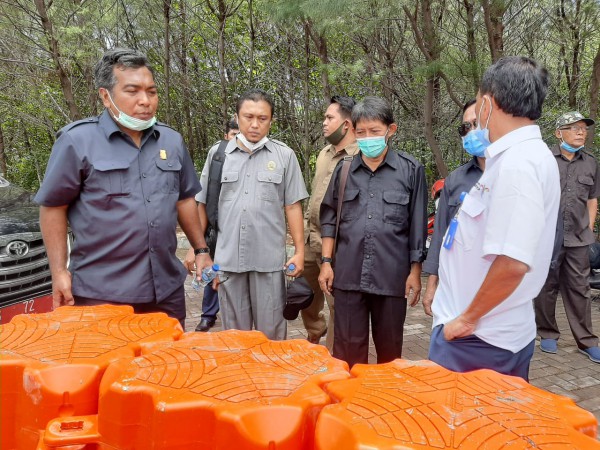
point(580, 188)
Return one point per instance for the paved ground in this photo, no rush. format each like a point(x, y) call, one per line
point(567, 373)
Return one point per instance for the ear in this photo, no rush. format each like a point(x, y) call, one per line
point(103, 94)
point(392, 129)
point(558, 134)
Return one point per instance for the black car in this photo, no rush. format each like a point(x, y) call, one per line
point(25, 282)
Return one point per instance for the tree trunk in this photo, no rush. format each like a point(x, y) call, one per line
point(3, 165)
point(221, 54)
point(167, 60)
point(65, 81)
point(493, 13)
point(594, 95)
point(441, 166)
point(471, 44)
point(321, 45)
point(306, 101)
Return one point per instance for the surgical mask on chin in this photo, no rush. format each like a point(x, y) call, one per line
point(482, 135)
point(251, 145)
point(131, 122)
point(472, 145)
point(374, 146)
point(336, 137)
point(568, 147)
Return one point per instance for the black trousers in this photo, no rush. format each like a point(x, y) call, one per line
point(352, 313)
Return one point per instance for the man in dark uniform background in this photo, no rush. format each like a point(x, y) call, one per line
point(121, 181)
point(580, 188)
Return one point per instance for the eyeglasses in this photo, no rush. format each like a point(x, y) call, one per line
point(576, 129)
point(465, 127)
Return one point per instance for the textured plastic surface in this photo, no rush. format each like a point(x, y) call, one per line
point(51, 364)
point(420, 405)
point(226, 390)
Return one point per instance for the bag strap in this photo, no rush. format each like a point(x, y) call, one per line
point(213, 186)
point(342, 188)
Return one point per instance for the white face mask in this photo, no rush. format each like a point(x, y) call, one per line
point(131, 122)
point(251, 145)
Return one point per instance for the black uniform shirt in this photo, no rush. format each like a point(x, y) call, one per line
point(122, 207)
point(383, 224)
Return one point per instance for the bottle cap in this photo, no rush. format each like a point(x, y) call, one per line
point(216, 267)
point(291, 267)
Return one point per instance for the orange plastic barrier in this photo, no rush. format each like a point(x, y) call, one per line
point(51, 364)
point(420, 405)
point(227, 390)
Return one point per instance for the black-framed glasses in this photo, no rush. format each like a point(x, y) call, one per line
point(575, 128)
point(465, 127)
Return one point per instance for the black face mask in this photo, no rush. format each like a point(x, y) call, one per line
point(336, 137)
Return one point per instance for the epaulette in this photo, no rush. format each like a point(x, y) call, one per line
point(162, 124)
point(77, 123)
point(409, 157)
point(588, 152)
point(283, 144)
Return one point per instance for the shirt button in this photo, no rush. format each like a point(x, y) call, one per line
point(370, 216)
point(245, 192)
point(170, 164)
point(224, 178)
point(243, 227)
point(372, 174)
point(143, 175)
point(151, 249)
point(148, 199)
point(371, 195)
point(244, 208)
point(368, 236)
point(151, 224)
point(247, 174)
point(367, 257)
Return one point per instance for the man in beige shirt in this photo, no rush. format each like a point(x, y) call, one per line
point(339, 133)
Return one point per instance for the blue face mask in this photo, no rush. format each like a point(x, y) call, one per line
point(372, 147)
point(481, 136)
point(472, 145)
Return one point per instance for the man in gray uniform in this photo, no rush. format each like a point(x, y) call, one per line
point(580, 188)
point(120, 181)
point(261, 180)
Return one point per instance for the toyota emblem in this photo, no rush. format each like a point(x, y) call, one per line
point(17, 249)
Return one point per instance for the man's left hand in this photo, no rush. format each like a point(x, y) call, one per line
point(413, 288)
point(298, 261)
point(459, 327)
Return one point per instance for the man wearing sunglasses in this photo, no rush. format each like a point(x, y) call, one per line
point(460, 180)
point(580, 188)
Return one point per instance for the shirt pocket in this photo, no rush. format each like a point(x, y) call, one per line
point(395, 207)
point(471, 211)
point(112, 177)
point(350, 205)
point(268, 185)
point(228, 184)
point(584, 185)
point(168, 172)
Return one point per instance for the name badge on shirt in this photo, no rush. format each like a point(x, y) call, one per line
point(163, 154)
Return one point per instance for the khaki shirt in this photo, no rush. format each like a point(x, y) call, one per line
point(327, 160)
point(579, 182)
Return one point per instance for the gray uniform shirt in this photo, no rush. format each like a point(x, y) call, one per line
point(255, 187)
point(122, 207)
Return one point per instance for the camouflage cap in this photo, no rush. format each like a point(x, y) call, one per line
point(571, 117)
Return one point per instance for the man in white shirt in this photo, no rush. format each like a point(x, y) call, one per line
point(496, 256)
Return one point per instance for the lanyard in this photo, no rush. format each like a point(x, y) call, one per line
point(449, 239)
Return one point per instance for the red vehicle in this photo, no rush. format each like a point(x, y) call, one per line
point(25, 282)
point(436, 191)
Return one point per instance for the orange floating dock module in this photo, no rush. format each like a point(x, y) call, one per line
point(406, 405)
point(51, 364)
point(226, 390)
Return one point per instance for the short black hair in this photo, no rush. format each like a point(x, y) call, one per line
point(373, 108)
point(518, 85)
point(345, 105)
point(231, 125)
point(104, 75)
point(255, 95)
point(468, 105)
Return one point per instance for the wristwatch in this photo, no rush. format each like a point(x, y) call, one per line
point(199, 251)
point(325, 259)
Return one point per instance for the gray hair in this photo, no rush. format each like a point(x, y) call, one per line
point(104, 75)
point(518, 85)
point(372, 108)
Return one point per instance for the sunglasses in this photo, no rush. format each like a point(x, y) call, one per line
point(465, 127)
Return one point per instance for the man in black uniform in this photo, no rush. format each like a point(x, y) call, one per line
point(580, 188)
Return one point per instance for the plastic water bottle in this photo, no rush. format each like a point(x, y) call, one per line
point(290, 269)
point(207, 276)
